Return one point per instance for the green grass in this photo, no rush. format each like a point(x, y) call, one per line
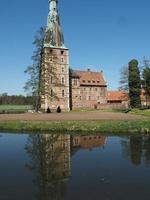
point(140, 112)
point(15, 107)
point(80, 127)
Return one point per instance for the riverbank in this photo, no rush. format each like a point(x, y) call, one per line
point(79, 127)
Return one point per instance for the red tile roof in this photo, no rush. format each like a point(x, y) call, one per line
point(117, 96)
point(90, 78)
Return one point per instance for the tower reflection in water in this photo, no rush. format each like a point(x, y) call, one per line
point(50, 160)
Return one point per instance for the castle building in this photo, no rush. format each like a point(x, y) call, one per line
point(69, 89)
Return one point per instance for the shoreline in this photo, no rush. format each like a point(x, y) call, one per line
point(78, 127)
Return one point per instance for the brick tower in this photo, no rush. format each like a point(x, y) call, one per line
point(55, 64)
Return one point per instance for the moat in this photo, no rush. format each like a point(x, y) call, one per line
point(68, 167)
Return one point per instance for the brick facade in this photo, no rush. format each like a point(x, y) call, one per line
point(88, 89)
point(55, 75)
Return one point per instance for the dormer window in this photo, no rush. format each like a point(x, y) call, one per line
point(75, 82)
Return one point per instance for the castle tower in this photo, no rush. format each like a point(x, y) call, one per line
point(55, 64)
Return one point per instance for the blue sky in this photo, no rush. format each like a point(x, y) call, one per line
point(101, 34)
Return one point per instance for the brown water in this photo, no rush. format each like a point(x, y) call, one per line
point(65, 167)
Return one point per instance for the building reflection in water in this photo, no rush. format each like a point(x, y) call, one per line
point(50, 160)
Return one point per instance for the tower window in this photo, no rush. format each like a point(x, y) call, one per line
point(62, 59)
point(89, 98)
point(51, 92)
point(62, 52)
point(51, 51)
point(62, 69)
point(63, 93)
point(62, 80)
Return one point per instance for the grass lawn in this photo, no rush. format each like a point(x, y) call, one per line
point(15, 107)
point(140, 112)
point(79, 127)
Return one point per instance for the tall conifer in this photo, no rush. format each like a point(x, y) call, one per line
point(134, 84)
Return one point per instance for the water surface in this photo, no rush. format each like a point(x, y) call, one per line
point(66, 167)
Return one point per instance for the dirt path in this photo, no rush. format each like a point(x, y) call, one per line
point(72, 116)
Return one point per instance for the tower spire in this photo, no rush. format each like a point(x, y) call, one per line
point(54, 36)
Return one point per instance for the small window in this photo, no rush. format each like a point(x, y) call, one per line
point(89, 81)
point(80, 98)
point(62, 59)
point(62, 52)
point(62, 80)
point(95, 89)
point(98, 81)
point(62, 69)
point(51, 92)
point(83, 81)
point(63, 93)
point(93, 81)
point(51, 51)
point(89, 98)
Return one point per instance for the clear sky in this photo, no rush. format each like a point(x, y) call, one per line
point(101, 34)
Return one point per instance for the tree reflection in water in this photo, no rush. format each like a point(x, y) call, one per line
point(137, 148)
point(50, 164)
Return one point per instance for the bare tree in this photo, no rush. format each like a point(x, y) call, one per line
point(124, 79)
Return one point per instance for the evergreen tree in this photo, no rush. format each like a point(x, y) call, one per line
point(146, 78)
point(134, 84)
